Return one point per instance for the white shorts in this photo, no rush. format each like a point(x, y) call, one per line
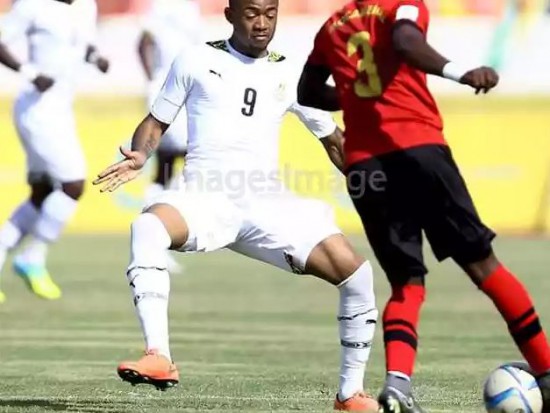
point(50, 141)
point(281, 229)
point(175, 137)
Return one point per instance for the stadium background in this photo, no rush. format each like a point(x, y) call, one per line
point(246, 336)
point(501, 141)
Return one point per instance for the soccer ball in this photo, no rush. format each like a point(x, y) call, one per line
point(510, 389)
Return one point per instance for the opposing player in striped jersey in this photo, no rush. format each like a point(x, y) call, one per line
point(236, 94)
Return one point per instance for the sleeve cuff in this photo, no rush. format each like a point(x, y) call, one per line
point(164, 110)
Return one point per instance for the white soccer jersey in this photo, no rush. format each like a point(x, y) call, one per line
point(171, 23)
point(57, 36)
point(235, 106)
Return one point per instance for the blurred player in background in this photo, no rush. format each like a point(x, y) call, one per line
point(168, 27)
point(236, 94)
point(403, 179)
point(60, 37)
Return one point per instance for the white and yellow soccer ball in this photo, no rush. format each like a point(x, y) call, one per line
point(510, 389)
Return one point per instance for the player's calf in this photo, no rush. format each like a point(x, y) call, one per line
point(149, 280)
point(152, 235)
point(54, 214)
point(73, 190)
point(512, 300)
point(335, 260)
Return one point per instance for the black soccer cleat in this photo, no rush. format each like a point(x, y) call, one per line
point(393, 401)
point(543, 382)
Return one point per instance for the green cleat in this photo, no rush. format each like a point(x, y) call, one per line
point(38, 280)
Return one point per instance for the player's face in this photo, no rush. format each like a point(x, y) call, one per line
point(254, 23)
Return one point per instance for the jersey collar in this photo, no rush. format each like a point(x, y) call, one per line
point(246, 59)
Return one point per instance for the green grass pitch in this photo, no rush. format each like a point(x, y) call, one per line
point(246, 337)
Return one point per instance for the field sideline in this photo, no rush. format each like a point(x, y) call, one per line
point(246, 337)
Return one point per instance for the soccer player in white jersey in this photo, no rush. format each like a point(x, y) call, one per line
point(168, 26)
point(60, 37)
point(236, 94)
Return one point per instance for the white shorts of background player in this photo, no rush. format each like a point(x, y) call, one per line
point(49, 137)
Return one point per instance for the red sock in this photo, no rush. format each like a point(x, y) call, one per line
point(400, 322)
point(516, 307)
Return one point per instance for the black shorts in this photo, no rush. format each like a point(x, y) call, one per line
point(400, 194)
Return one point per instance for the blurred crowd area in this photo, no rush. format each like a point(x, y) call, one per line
point(445, 8)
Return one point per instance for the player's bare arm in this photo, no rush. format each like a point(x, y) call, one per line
point(93, 57)
point(313, 90)
point(147, 136)
point(411, 44)
point(145, 141)
point(146, 49)
point(42, 82)
point(334, 145)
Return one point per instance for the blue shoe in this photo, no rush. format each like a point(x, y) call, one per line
point(37, 279)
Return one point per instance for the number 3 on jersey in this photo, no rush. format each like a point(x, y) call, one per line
point(372, 86)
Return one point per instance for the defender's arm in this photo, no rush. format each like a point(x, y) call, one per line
point(322, 125)
point(409, 40)
point(313, 90)
point(334, 146)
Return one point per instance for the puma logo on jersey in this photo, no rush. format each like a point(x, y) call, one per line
point(215, 73)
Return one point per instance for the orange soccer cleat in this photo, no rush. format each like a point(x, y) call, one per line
point(360, 403)
point(153, 369)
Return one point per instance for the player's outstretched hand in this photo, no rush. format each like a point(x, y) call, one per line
point(482, 79)
point(103, 64)
point(43, 83)
point(121, 172)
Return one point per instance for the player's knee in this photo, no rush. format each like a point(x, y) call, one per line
point(334, 260)
point(74, 190)
point(341, 253)
point(149, 242)
point(481, 269)
point(39, 193)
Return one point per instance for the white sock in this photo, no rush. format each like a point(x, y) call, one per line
point(56, 211)
point(9, 238)
point(3, 256)
point(357, 322)
point(150, 281)
point(13, 231)
point(35, 252)
point(19, 225)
